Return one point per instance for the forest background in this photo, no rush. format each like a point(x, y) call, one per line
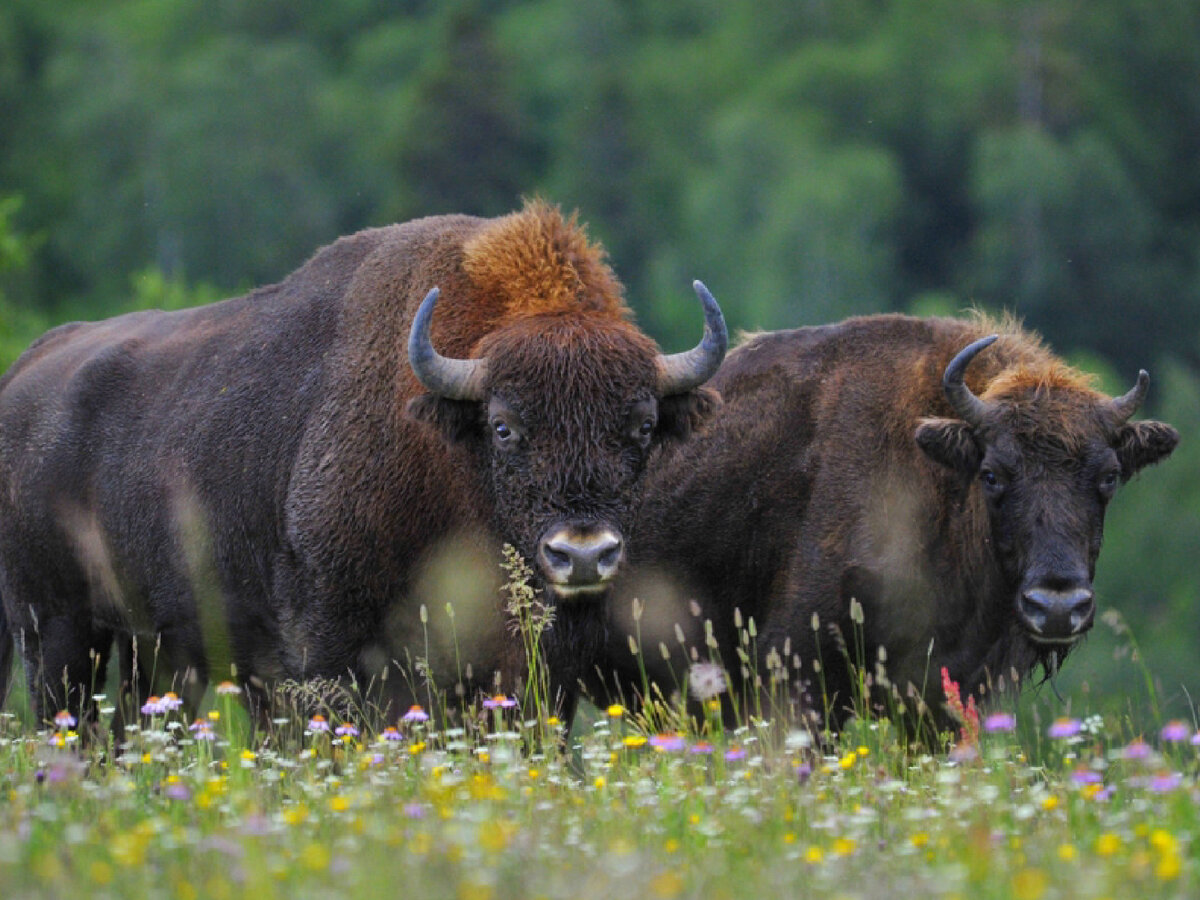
point(809, 159)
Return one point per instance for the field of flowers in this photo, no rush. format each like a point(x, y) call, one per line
point(494, 808)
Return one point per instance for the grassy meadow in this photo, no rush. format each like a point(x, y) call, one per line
point(1013, 802)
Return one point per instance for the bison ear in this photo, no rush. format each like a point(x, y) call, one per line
point(681, 414)
point(457, 420)
point(1141, 444)
point(950, 442)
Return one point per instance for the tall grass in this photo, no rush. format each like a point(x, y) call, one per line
point(658, 803)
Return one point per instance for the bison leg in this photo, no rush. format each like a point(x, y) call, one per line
point(65, 663)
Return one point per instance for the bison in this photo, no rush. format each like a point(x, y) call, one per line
point(903, 494)
point(266, 481)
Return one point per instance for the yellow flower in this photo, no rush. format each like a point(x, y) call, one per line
point(634, 741)
point(315, 857)
point(1108, 843)
point(920, 839)
point(813, 855)
point(667, 885)
point(1163, 841)
point(848, 760)
point(340, 803)
point(100, 872)
point(844, 846)
point(1066, 852)
point(599, 782)
point(1168, 867)
point(1029, 884)
point(616, 710)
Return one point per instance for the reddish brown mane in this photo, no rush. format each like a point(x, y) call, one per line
point(537, 263)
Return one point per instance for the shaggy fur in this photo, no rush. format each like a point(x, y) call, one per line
point(263, 483)
point(836, 470)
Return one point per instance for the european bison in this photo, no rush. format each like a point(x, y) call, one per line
point(950, 485)
point(267, 481)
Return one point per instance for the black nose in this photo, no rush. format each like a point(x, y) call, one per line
point(580, 559)
point(1057, 615)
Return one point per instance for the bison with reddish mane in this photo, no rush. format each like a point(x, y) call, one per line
point(266, 481)
point(904, 494)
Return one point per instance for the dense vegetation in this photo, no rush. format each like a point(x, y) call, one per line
point(809, 160)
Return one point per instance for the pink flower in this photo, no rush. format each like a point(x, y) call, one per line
point(317, 724)
point(498, 701)
point(346, 730)
point(202, 730)
point(391, 733)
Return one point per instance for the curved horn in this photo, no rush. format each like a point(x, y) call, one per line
point(680, 372)
point(455, 379)
point(1125, 406)
point(966, 405)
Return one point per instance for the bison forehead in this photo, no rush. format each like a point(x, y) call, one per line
point(554, 363)
point(1066, 421)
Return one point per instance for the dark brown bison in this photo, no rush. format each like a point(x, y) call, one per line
point(949, 485)
point(267, 481)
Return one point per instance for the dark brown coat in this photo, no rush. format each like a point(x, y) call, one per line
point(265, 482)
point(838, 472)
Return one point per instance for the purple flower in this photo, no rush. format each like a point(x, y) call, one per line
point(414, 811)
point(1165, 781)
point(1064, 728)
point(391, 733)
point(202, 730)
point(416, 713)
point(153, 706)
point(317, 724)
point(498, 701)
point(177, 790)
point(1137, 749)
point(1000, 721)
point(64, 720)
point(667, 742)
point(346, 730)
point(1176, 730)
point(170, 701)
point(701, 747)
point(1086, 776)
point(735, 753)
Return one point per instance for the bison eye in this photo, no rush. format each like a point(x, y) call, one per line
point(647, 427)
point(1108, 482)
point(992, 483)
point(503, 432)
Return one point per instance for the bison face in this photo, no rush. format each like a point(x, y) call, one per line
point(563, 418)
point(1047, 459)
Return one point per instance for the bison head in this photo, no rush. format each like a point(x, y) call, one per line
point(1048, 455)
point(563, 411)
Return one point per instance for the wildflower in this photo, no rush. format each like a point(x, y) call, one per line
point(227, 687)
point(1165, 782)
point(701, 747)
point(633, 741)
point(615, 711)
point(966, 714)
point(734, 753)
point(1137, 749)
point(318, 724)
point(64, 720)
point(813, 854)
point(1107, 844)
point(1064, 728)
point(499, 701)
point(706, 681)
point(202, 730)
point(847, 761)
point(667, 742)
point(1067, 852)
point(391, 733)
point(152, 706)
point(1086, 777)
point(1175, 731)
point(844, 846)
point(416, 713)
point(346, 731)
point(1000, 721)
point(414, 811)
point(170, 701)
point(1029, 884)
